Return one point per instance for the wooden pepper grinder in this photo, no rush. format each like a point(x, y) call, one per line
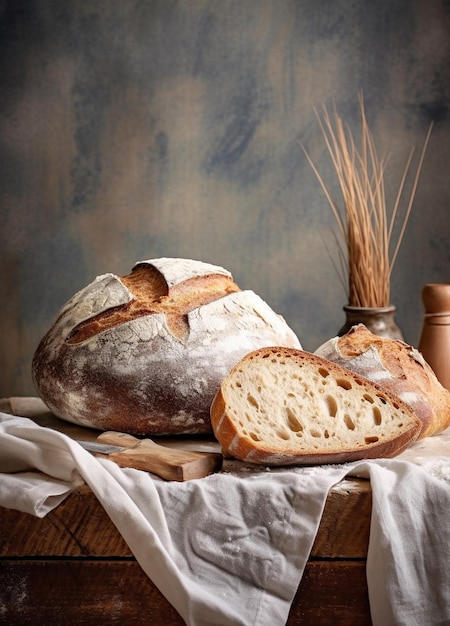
point(434, 342)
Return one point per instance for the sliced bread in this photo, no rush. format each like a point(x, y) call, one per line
point(284, 406)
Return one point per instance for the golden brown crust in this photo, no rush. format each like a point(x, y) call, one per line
point(151, 295)
point(410, 373)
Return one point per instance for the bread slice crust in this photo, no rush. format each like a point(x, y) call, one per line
point(284, 406)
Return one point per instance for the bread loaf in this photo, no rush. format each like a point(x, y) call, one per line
point(395, 366)
point(282, 406)
point(145, 353)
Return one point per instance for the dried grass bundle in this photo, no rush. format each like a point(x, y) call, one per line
point(366, 226)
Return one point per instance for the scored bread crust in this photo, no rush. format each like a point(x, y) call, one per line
point(395, 366)
point(284, 406)
point(145, 353)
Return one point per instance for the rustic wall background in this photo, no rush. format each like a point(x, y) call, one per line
point(147, 128)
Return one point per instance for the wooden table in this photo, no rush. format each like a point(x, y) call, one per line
point(73, 567)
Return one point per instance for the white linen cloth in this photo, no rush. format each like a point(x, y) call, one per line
point(230, 549)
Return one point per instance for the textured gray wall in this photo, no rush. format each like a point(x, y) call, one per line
point(144, 128)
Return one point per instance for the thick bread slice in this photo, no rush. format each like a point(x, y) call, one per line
point(397, 367)
point(283, 406)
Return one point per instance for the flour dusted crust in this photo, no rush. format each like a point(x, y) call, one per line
point(145, 353)
point(395, 366)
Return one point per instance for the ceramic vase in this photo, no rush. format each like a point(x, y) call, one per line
point(379, 320)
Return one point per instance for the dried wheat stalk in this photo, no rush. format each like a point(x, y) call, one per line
point(365, 225)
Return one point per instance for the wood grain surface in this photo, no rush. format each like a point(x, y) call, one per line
point(97, 593)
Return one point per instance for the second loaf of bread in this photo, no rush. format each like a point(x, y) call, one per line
point(397, 367)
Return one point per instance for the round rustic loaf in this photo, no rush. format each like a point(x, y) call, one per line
point(146, 353)
point(395, 366)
